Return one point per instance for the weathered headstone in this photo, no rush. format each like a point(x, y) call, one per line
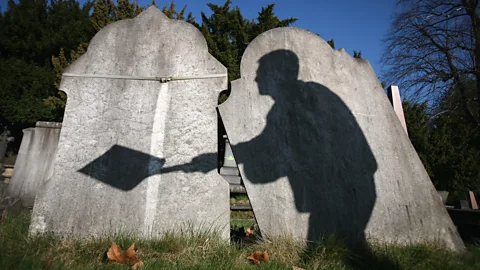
point(3, 146)
point(4, 140)
point(34, 162)
point(320, 150)
point(138, 156)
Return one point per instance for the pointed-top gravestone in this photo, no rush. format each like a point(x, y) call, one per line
point(133, 155)
point(321, 151)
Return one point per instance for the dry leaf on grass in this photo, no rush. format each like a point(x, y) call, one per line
point(249, 232)
point(115, 254)
point(130, 255)
point(137, 265)
point(258, 257)
point(297, 268)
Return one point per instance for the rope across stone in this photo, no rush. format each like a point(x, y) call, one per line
point(142, 78)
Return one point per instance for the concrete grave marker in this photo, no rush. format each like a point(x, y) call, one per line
point(34, 162)
point(136, 155)
point(320, 151)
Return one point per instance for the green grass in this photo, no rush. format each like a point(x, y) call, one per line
point(239, 198)
point(237, 223)
point(190, 250)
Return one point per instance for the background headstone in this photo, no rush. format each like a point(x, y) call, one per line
point(136, 156)
point(394, 96)
point(320, 150)
point(229, 169)
point(3, 146)
point(34, 162)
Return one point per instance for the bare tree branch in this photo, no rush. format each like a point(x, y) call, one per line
point(434, 46)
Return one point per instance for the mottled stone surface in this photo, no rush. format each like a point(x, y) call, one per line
point(34, 164)
point(138, 156)
point(320, 149)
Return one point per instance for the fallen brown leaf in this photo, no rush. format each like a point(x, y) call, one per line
point(297, 268)
point(115, 254)
point(258, 257)
point(130, 254)
point(137, 265)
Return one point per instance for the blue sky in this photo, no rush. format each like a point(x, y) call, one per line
point(354, 25)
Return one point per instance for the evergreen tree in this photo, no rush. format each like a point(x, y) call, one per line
point(447, 142)
point(31, 32)
point(172, 13)
point(103, 13)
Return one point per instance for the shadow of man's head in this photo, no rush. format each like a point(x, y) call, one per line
point(279, 67)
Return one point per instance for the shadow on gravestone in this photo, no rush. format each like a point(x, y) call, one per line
point(323, 151)
point(124, 168)
point(341, 163)
point(331, 157)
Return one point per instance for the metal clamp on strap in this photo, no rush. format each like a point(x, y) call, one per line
point(158, 79)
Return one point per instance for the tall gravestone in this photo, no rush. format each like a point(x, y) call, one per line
point(135, 156)
point(34, 162)
point(321, 151)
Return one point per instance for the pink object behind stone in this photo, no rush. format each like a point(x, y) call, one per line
point(473, 201)
point(394, 97)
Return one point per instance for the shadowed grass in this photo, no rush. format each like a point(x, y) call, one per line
point(189, 250)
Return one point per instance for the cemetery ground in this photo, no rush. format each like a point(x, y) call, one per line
point(188, 250)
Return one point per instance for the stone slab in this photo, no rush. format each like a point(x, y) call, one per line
point(48, 124)
point(34, 164)
point(233, 179)
point(233, 171)
point(320, 150)
point(3, 146)
point(138, 156)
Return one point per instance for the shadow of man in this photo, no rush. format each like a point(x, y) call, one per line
point(312, 138)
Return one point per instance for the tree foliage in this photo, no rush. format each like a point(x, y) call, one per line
point(172, 13)
point(357, 54)
point(447, 143)
point(228, 34)
point(31, 33)
point(331, 42)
